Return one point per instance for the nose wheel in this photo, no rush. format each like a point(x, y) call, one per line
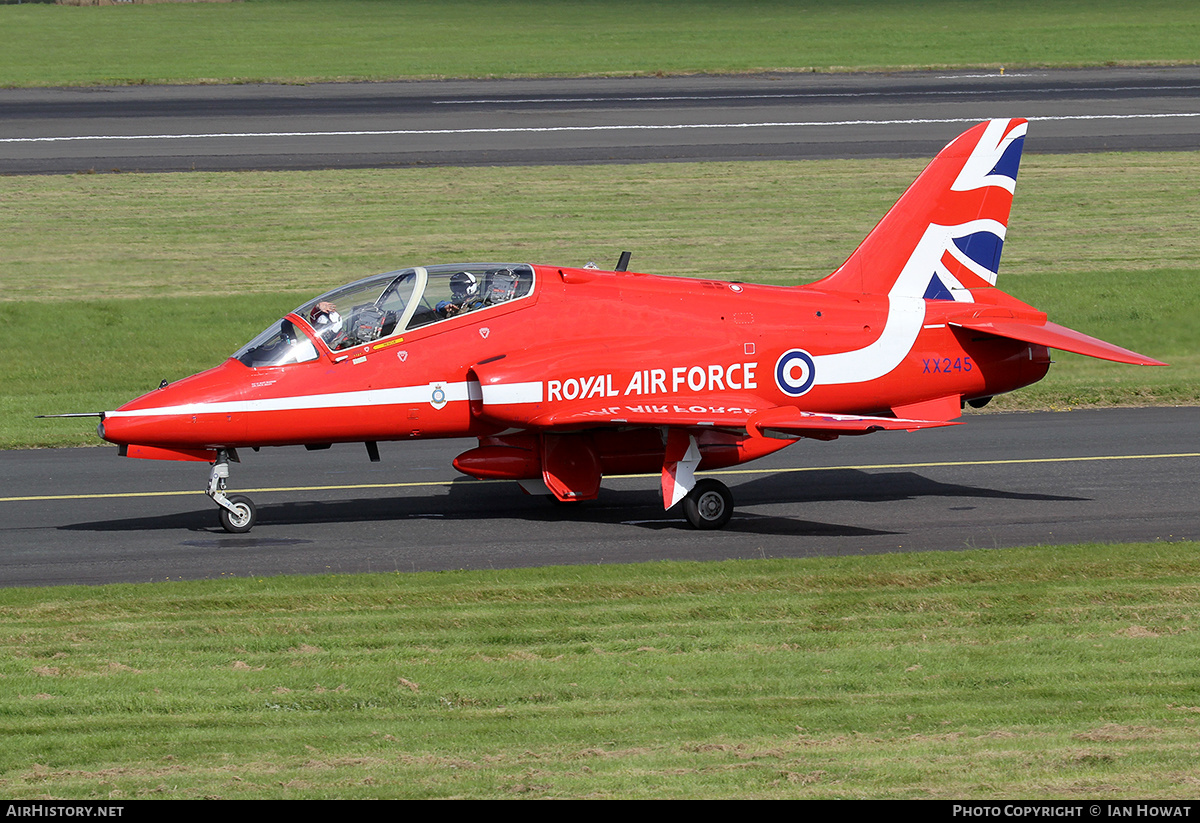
point(237, 512)
point(240, 518)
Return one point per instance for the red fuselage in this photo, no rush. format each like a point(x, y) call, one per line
point(584, 341)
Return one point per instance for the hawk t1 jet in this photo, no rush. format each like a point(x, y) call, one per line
point(566, 375)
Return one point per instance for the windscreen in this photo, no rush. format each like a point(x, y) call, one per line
point(279, 345)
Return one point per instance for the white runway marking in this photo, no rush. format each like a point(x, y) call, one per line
point(796, 124)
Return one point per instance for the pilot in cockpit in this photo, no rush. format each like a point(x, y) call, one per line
point(464, 295)
point(324, 314)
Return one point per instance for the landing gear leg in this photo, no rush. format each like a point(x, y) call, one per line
point(237, 512)
point(709, 504)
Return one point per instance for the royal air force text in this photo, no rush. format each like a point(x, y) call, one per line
point(649, 382)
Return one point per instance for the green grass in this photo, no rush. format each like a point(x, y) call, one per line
point(115, 282)
point(1048, 672)
point(308, 40)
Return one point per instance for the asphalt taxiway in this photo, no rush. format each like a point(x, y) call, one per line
point(1116, 475)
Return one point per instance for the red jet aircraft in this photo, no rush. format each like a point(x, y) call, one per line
point(568, 374)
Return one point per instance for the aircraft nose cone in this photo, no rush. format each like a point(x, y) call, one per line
point(200, 411)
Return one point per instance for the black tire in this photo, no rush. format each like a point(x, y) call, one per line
point(245, 518)
point(709, 504)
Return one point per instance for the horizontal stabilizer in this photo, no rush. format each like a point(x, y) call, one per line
point(789, 421)
point(1054, 336)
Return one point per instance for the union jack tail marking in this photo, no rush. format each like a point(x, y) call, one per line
point(945, 234)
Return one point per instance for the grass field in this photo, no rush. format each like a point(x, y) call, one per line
point(311, 40)
point(1050, 672)
point(129, 279)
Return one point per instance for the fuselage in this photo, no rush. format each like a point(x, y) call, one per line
point(580, 338)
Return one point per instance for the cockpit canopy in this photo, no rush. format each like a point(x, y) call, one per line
point(385, 305)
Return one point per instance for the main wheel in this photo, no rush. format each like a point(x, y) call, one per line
point(709, 504)
point(242, 519)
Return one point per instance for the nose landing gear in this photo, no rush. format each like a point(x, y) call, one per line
point(237, 512)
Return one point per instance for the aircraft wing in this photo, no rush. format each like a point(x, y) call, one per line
point(1053, 336)
point(730, 411)
point(739, 412)
point(789, 421)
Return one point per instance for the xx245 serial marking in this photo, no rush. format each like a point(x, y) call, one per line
point(944, 365)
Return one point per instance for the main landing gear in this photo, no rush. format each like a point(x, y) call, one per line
point(237, 512)
point(709, 504)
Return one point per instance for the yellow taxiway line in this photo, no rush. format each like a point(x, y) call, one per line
point(864, 467)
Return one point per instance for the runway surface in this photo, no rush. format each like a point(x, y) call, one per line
point(781, 116)
point(87, 516)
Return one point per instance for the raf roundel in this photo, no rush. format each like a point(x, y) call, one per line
point(795, 372)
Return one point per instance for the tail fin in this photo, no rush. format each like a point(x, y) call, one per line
point(944, 235)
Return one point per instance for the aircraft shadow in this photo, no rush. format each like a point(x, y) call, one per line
point(470, 501)
point(868, 487)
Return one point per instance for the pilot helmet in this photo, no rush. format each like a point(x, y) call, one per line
point(320, 317)
point(463, 284)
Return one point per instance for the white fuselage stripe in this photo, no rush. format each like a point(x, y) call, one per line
point(905, 317)
point(504, 394)
point(334, 400)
